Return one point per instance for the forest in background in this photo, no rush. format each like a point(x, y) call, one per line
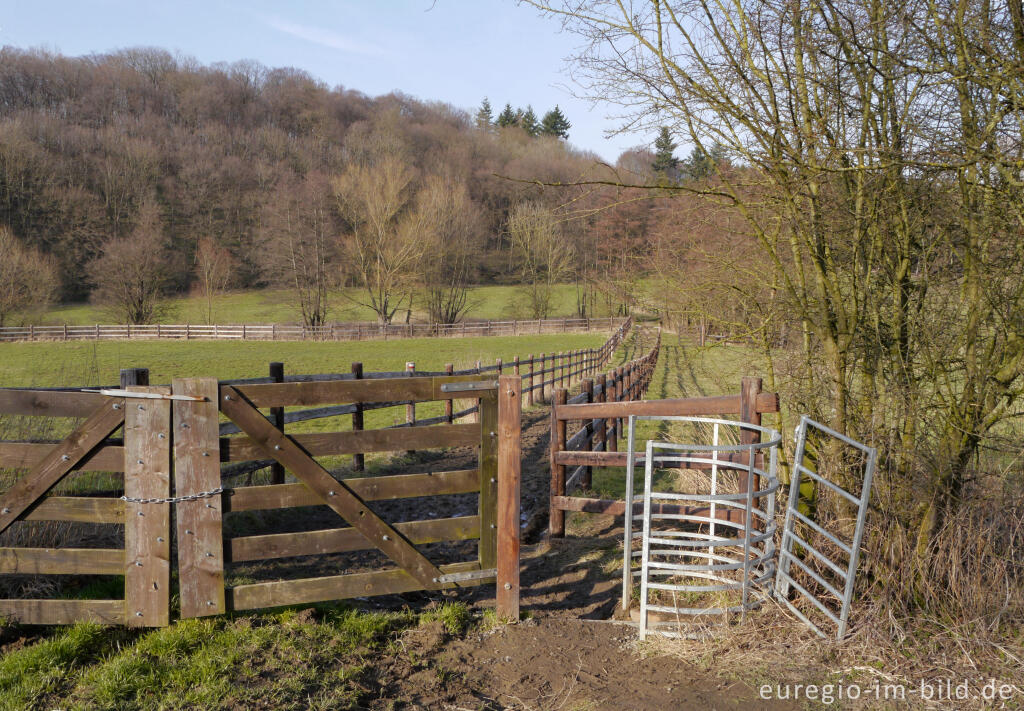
point(130, 176)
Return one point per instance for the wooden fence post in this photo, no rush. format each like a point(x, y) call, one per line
point(750, 388)
point(134, 376)
point(611, 395)
point(277, 417)
point(515, 371)
point(556, 517)
point(358, 459)
point(620, 388)
point(147, 529)
point(529, 393)
point(197, 471)
point(510, 398)
point(543, 380)
point(586, 480)
point(449, 369)
point(410, 408)
point(601, 424)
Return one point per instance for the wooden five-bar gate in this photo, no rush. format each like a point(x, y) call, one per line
point(171, 453)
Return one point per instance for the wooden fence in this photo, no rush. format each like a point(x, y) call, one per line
point(176, 429)
point(298, 332)
point(603, 409)
point(174, 452)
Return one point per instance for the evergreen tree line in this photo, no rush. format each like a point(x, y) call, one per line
point(554, 123)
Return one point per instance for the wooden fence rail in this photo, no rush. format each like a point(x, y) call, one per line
point(296, 332)
point(598, 432)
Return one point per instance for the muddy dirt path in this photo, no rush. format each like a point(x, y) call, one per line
point(567, 654)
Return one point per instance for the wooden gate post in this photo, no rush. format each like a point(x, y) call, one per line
point(147, 527)
point(487, 414)
point(197, 471)
point(134, 376)
point(510, 398)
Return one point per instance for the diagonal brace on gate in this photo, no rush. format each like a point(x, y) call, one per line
point(60, 460)
point(336, 494)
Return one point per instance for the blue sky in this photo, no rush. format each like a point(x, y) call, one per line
point(457, 51)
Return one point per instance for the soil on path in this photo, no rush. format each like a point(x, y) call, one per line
point(565, 655)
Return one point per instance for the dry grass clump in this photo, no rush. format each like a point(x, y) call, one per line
point(949, 611)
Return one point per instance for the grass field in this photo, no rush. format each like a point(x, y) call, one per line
point(59, 364)
point(273, 306)
point(91, 363)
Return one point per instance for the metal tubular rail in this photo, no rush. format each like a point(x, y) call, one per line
point(713, 546)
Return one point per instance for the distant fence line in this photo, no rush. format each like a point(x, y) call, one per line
point(294, 332)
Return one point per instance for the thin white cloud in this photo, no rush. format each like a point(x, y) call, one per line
point(327, 38)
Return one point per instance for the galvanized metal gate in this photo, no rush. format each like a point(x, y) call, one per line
point(820, 564)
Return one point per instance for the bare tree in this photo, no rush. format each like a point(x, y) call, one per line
point(543, 257)
point(214, 267)
point(453, 241)
point(132, 274)
point(299, 234)
point(880, 146)
point(386, 219)
point(28, 278)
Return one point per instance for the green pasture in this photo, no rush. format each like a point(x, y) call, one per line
point(81, 363)
point(278, 306)
point(91, 363)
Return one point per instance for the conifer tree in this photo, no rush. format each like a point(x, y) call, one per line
point(699, 164)
point(484, 116)
point(665, 164)
point(529, 121)
point(555, 123)
point(507, 117)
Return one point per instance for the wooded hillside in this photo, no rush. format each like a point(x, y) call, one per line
point(236, 176)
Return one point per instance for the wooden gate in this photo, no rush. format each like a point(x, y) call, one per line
point(185, 431)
